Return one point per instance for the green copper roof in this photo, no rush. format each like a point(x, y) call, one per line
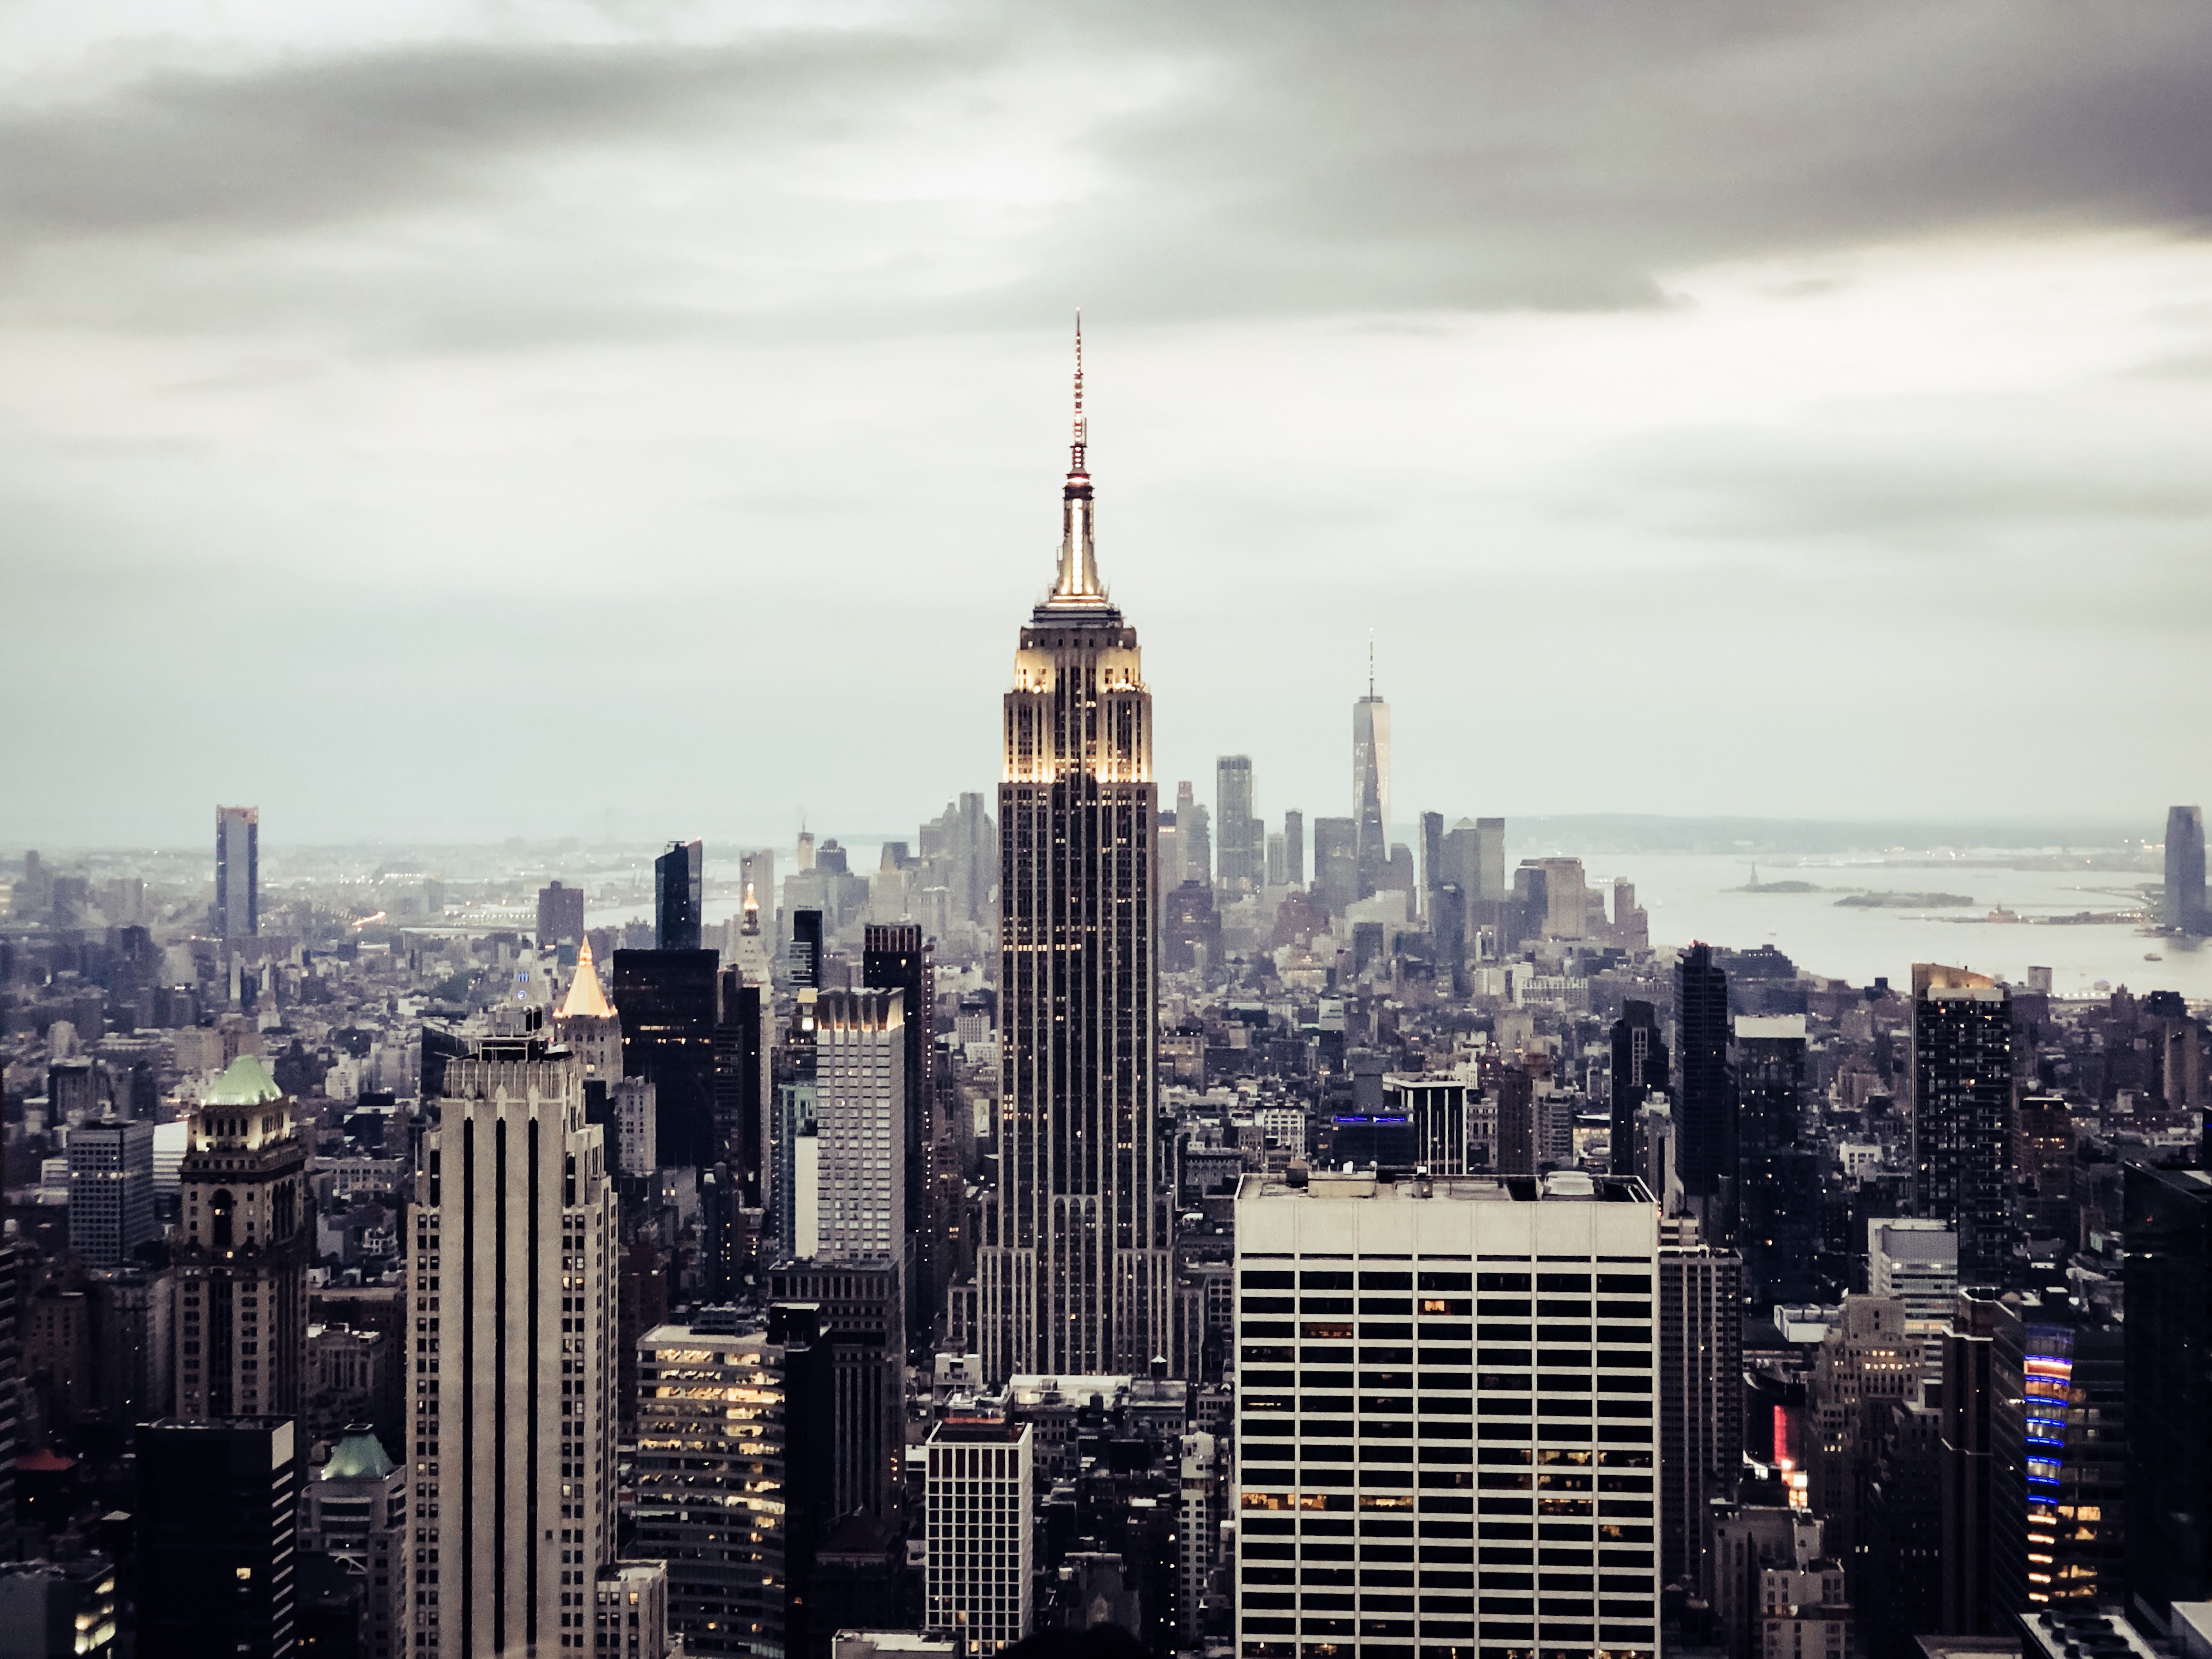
point(248, 1083)
point(358, 1455)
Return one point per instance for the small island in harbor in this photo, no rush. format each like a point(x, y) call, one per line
point(1755, 886)
point(1907, 901)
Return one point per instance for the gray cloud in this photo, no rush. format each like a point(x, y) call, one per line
point(1302, 158)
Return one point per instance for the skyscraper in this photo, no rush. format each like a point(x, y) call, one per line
point(1962, 1109)
point(1490, 860)
point(560, 914)
point(1779, 1183)
point(711, 1492)
point(980, 1503)
point(218, 1518)
point(588, 1024)
point(512, 1275)
point(111, 1190)
point(243, 1243)
point(678, 894)
point(1243, 843)
point(237, 872)
point(896, 957)
point(744, 1007)
point(2168, 1218)
point(805, 956)
point(1449, 1466)
point(860, 1115)
point(1076, 1276)
point(667, 1001)
point(1705, 1154)
point(2184, 907)
point(1433, 874)
point(1639, 1067)
point(1700, 1398)
point(1336, 861)
point(1370, 783)
point(1294, 847)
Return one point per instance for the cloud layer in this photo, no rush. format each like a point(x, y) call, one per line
point(692, 375)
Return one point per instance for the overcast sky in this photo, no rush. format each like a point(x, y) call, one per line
point(434, 420)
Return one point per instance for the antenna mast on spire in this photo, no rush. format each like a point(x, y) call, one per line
point(1077, 463)
point(1370, 664)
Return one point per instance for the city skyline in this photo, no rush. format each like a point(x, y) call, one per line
point(1834, 400)
point(1703, 1151)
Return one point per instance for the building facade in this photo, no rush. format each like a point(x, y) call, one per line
point(511, 1418)
point(1962, 1110)
point(243, 1240)
point(1387, 1530)
point(111, 1190)
point(1075, 1275)
point(979, 1505)
point(237, 872)
point(354, 1509)
point(712, 1485)
point(218, 1525)
point(1241, 862)
point(1700, 1400)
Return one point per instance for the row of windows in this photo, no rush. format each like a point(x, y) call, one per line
point(1446, 1306)
point(1263, 1278)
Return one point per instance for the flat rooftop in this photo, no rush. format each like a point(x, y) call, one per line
point(1561, 1187)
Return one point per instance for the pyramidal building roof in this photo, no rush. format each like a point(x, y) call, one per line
point(359, 1453)
point(588, 999)
point(246, 1083)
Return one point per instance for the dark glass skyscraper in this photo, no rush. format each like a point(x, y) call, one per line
point(1705, 1154)
point(1639, 1067)
point(1294, 847)
point(895, 957)
point(1962, 1110)
point(679, 889)
point(805, 959)
point(1075, 1277)
point(668, 1004)
point(217, 1518)
point(1778, 1184)
point(2168, 1222)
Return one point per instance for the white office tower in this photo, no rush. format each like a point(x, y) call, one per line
point(859, 1115)
point(511, 1420)
point(1917, 1258)
point(981, 1550)
point(1446, 1436)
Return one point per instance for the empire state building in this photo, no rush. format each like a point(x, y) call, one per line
point(1074, 1277)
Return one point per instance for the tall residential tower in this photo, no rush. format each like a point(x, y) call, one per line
point(1074, 1279)
point(1370, 783)
point(237, 872)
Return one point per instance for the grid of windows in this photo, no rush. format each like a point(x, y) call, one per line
point(980, 1484)
point(1440, 1453)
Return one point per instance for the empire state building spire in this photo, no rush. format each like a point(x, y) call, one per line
point(1078, 584)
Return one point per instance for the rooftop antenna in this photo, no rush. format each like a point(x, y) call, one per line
point(1078, 462)
point(1371, 665)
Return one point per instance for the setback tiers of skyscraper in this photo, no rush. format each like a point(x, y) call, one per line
point(1074, 1278)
